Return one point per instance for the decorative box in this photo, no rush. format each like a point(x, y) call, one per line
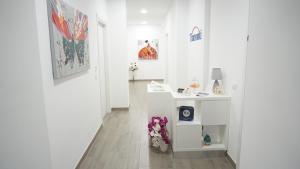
point(186, 113)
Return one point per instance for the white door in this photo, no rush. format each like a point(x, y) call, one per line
point(103, 71)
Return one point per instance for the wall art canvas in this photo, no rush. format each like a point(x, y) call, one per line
point(68, 39)
point(148, 49)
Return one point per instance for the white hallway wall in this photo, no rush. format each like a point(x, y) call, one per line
point(171, 61)
point(270, 138)
point(23, 130)
point(185, 59)
point(117, 44)
point(180, 43)
point(195, 50)
point(152, 69)
point(228, 43)
point(224, 45)
point(176, 44)
point(53, 119)
point(72, 104)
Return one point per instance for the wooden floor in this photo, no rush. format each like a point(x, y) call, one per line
point(122, 142)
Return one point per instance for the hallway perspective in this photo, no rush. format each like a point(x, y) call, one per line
point(122, 142)
point(150, 84)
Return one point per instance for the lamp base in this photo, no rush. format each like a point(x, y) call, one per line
point(216, 87)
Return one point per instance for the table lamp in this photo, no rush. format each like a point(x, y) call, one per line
point(216, 75)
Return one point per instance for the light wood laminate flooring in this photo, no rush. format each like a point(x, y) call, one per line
point(122, 142)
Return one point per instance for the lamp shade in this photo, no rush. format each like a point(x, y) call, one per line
point(216, 74)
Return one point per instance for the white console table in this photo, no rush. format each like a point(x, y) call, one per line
point(211, 116)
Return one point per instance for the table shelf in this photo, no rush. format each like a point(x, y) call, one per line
point(214, 147)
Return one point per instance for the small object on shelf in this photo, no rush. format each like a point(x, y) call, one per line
point(207, 140)
point(195, 84)
point(180, 90)
point(219, 90)
point(202, 93)
point(217, 75)
point(155, 86)
point(187, 91)
point(186, 113)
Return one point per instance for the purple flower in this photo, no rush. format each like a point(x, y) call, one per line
point(163, 130)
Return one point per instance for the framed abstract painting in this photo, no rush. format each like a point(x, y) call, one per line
point(68, 29)
point(148, 49)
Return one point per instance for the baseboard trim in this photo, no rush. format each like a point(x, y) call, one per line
point(120, 109)
point(230, 160)
point(88, 148)
point(199, 154)
point(145, 80)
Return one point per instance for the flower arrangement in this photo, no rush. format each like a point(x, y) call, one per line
point(158, 132)
point(133, 67)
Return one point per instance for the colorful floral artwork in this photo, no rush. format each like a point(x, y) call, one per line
point(148, 49)
point(69, 39)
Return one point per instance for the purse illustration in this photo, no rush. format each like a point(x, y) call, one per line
point(186, 113)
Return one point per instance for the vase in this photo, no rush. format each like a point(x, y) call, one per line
point(163, 146)
point(207, 139)
point(216, 86)
point(156, 142)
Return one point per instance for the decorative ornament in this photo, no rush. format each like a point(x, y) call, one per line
point(207, 140)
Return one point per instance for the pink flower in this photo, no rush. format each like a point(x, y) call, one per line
point(158, 125)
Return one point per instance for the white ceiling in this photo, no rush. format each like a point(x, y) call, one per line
point(157, 10)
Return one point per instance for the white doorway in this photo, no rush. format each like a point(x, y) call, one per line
point(103, 63)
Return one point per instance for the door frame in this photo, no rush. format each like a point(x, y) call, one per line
point(103, 24)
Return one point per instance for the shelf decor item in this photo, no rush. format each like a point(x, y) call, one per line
point(195, 85)
point(196, 34)
point(157, 130)
point(216, 75)
point(207, 139)
point(133, 67)
point(180, 90)
point(187, 91)
point(186, 113)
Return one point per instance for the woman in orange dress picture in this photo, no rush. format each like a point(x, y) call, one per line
point(148, 52)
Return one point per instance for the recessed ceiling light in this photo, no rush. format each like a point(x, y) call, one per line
point(144, 11)
point(144, 22)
